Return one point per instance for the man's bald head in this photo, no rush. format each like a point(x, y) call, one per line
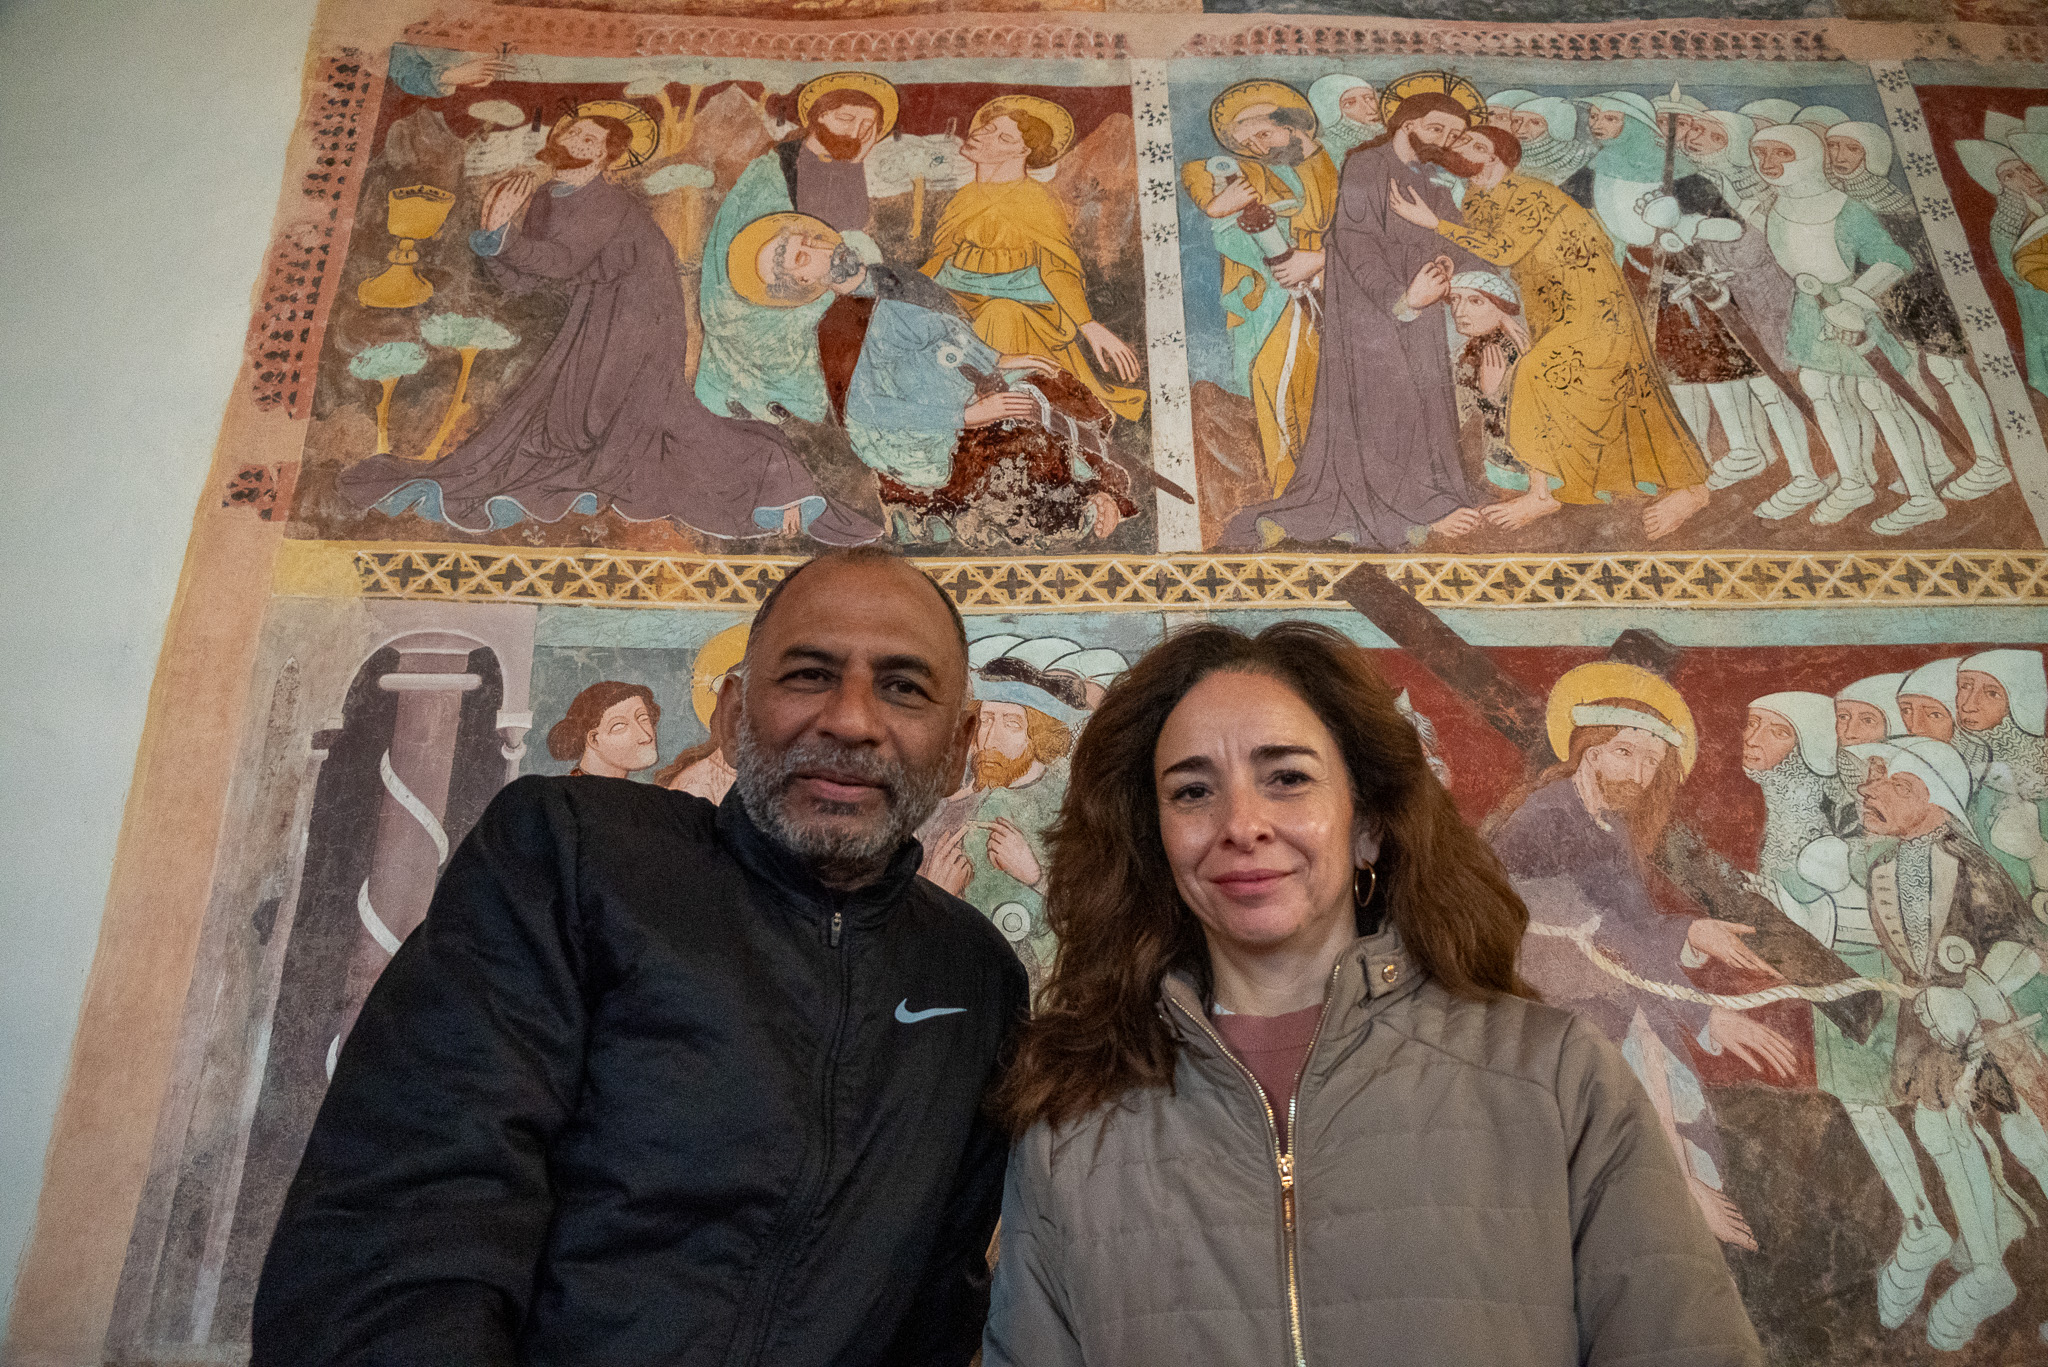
point(854, 555)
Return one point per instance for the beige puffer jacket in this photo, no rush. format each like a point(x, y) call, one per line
point(1470, 1183)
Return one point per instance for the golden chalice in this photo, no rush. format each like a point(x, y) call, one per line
point(412, 214)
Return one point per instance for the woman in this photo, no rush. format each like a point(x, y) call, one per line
point(1589, 409)
point(1285, 1097)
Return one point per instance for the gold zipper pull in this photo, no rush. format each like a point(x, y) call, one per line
point(1287, 1172)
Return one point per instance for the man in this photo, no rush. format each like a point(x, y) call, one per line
point(662, 1082)
point(986, 843)
point(1918, 311)
point(1380, 467)
point(1927, 700)
point(1589, 412)
point(2001, 707)
point(1553, 146)
point(1578, 849)
point(753, 358)
point(1003, 246)
point(1842, 262)
point(605, 419)
point(608, 731)
point(1743, 276)
point(1347, 110)
point(1272, 315)
point(1960, 938)
point(1790, 751)
point(930, 407)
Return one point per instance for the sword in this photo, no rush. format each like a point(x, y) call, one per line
point(1889, 373)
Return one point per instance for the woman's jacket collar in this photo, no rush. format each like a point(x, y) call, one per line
point(1371, 971)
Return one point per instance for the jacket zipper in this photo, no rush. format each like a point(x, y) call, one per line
point(808, 1201)
point(1283, 1156)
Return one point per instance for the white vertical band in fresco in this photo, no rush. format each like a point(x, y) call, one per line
point(1166, 351)
point(1982, 328)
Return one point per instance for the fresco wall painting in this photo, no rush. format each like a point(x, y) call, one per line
point(1700, 385)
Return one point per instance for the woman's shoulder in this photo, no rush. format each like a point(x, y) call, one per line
point(1512, 1038)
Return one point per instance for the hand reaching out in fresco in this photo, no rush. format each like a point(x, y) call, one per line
point(1026, 361)
point(1012, 853)
point(998, 406)
point(474, 75)
point(1406, 203)
point(1722, 940)
point(947, 865)
point(1724, 1217)
point(1299, 269)
point(1110, 352)
point(505, 197)
point(1236, 196)
point(1755, 1043)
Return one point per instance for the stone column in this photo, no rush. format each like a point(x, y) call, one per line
point(411, 845)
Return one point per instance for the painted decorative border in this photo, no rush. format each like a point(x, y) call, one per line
point(1569, 43)
point(1715, 579)
point(576, 33)
point(2024, 449)
point(1166, 352)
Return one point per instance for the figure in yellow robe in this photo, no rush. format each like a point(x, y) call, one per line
point(1275, 336)
point(1587, 408)
point(1005, 251)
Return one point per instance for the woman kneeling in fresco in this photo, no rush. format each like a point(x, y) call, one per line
point(1285, 1095)
point(1589, 409)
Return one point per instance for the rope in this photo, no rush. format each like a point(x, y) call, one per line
point(1582, 936)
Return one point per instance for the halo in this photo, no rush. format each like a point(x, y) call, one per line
point(626, 112)
point(1224, 109)
point(872, 86)
point(1611, 679)
point(1443, 83)
point(1045, 111)
point(746, 248)
point(715, 659)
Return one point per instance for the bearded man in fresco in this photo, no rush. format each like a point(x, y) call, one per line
point(1579, 847)
point(754, 358)
point(1271, 256)
point(1380, 468)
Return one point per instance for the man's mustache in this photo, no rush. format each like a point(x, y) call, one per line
point(846, 761)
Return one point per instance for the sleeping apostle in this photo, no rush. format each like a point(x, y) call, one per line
point(658, 1081)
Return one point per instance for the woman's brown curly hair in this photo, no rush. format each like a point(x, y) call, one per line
point(1122, 927)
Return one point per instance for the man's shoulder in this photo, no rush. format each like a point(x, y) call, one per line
point(896, 285)
point(605, 808)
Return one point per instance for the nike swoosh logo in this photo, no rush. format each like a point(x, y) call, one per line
point(910, 1017)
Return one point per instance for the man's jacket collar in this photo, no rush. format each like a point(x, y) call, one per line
point(791, 875)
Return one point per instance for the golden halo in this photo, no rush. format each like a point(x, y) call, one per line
point(632, 115)
point(1611, 679)
point(746, 249)
point(1045, 111)
point(874, 87)
point(1225, 108)
point(1443, 83)
point(716, 658)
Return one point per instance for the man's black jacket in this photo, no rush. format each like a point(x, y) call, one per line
point(641, 1090)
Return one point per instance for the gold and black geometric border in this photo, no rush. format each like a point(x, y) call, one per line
point(1720, 579)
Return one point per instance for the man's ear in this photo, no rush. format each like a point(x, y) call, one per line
point(963, 737)
point(725, 716)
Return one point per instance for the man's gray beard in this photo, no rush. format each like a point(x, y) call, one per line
point(763, 781)
point(1793, 818)
point(846, 264)
point(2012, 216)
point(1293, 154)
point(1874, 190)
point(2003, 744)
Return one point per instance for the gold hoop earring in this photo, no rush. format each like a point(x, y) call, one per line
point(1371, 889)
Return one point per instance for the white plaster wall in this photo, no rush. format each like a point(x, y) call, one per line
point(141, 149)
